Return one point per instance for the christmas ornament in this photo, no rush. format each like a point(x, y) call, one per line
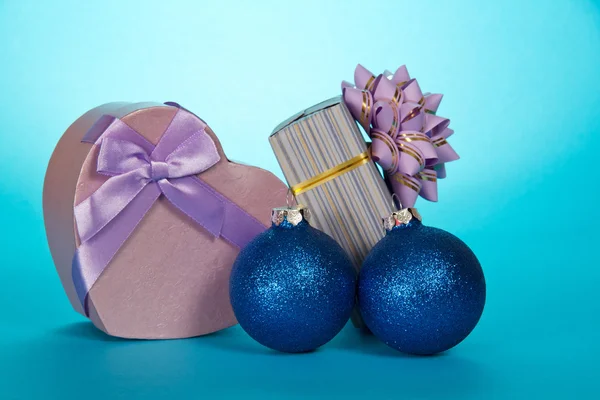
point(421, 290)
point(292, 288)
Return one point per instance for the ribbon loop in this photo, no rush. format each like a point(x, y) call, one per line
point(194, 147)
point(119, 156)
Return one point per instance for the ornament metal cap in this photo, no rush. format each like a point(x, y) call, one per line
point(293, 215)
point(401, 217)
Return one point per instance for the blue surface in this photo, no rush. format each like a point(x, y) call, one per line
point(522, 86)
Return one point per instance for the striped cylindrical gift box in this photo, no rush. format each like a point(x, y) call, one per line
point(326, 163)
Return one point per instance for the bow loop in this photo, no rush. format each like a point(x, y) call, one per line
point(384, 151)
point(363, 78)
point(445, 152)
point(118, 156)
point(411, 117)
point(423, 143)
point(192, 157)
point(412, 159)
point(428, 179)
point(401, 76)
point(387, 90)
point(406, 187)
point(435, 124)
point(432, 102)
point(387, 118)
point(413, 93)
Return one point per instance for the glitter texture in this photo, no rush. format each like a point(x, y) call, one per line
point(293, 288)
point(421, 290)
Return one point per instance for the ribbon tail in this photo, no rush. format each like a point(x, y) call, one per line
point(193, 198)
point(212, 210)
point(239, 227)
point(93, 256)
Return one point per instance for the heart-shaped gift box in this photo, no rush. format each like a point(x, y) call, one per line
point(145, 216)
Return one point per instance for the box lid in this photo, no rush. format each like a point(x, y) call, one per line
point(311, 110)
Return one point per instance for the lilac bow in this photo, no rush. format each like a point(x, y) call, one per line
point(139, 173)
point(408, 138)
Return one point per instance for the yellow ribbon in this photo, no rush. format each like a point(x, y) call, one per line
point(331, 173)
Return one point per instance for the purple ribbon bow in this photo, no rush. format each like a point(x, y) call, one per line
point(139, 173)
point(408, 138)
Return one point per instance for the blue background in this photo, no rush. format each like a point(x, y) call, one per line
point(522, 87)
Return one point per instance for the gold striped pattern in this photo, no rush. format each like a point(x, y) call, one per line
point(422, 104)
point(439, 142)
point(331, 173)
point(405, 180)
point(414, 137)
point(397, 95)
point(405, 149)
point(428, 176)
point(395, 124)
point(369, 84)
point(415, 111)
point(366, 109)
point(391, 145)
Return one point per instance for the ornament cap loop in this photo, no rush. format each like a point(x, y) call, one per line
point(293, 215)
point(401, 217)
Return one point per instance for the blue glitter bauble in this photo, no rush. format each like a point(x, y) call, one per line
point(421, 290)
point(293, 288)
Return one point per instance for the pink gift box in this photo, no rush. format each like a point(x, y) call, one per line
point(170, 277)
